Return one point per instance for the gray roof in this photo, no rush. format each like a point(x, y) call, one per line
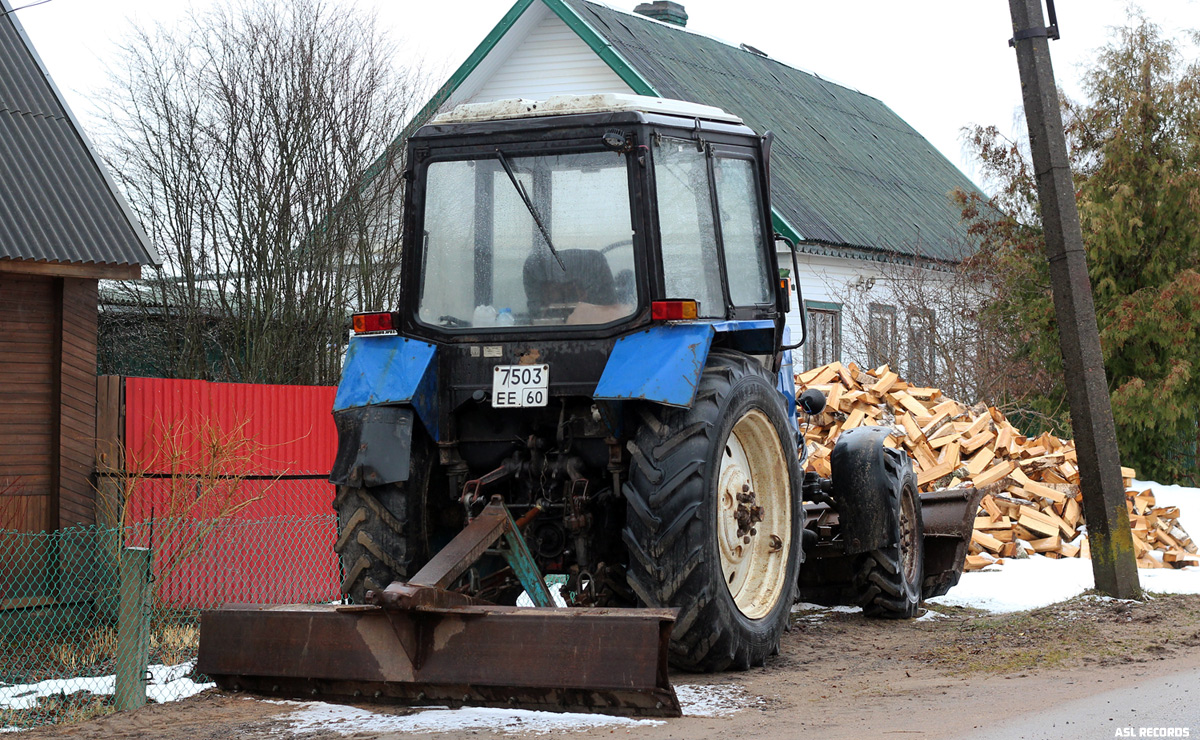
point(847, 172)
point(57, 203)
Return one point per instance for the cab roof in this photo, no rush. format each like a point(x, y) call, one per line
point(562, 105)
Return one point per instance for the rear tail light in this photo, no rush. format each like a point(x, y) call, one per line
point(373, 323)
point(674, 310)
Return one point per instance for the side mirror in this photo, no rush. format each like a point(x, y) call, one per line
point(811, 401)
point(795, 276)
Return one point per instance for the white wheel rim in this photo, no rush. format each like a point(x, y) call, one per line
point(753, 466)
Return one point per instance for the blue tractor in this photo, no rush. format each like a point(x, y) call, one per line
point(588, 377)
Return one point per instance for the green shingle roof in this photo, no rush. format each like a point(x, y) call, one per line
point(847, 172)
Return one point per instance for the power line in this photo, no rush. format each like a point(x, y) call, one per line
point(30, 5)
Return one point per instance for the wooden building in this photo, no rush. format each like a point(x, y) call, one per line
point(63, 227)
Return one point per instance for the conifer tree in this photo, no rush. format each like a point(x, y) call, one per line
point(1135, 147)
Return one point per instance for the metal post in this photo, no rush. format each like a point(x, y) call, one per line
point(133, 629)
point(1113, 563)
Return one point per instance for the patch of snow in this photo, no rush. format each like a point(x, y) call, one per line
point(713, 700)
point(171, 683)
point(1037, 581)
point(804, 606)
point(555, 589)
point(167, 683)
point(317, 717)
point(815, 613)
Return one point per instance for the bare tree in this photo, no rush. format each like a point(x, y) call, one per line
point(931, 323)
point(256, 141)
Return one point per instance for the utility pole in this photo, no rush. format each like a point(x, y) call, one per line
point(1113, 563)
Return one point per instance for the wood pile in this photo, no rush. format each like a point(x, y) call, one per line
point(1038, 509)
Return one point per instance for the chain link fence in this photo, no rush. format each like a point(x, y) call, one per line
point(64, 641)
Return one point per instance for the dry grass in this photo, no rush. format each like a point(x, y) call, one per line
point(172, 644)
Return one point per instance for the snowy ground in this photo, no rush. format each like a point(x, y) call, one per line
point(167, 683)
point(313, 717)
point(1017, 585)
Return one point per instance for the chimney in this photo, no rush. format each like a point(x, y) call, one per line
point(662, 10)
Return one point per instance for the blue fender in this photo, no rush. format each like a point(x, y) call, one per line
point(390, 371)
point(662, 364)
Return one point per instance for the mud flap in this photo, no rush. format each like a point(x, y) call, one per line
point(374, 446)
point(862, 487)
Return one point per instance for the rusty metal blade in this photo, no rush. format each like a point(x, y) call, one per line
point(949, 519)
point(584, 660)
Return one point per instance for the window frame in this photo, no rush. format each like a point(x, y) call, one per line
point(825, 307)
point(889, 355)
point(928, 371)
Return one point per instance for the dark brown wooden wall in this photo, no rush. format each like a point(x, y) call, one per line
point(77, 431)
point(47, 400)
point(27, 425)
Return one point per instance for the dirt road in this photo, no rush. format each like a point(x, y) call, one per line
point(840, 675)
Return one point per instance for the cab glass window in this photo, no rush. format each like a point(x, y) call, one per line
point(687, 233)
point(750, 280)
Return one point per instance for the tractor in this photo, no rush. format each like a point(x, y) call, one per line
point(589, 377)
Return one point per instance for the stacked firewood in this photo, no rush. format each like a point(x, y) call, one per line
point(1036, 507)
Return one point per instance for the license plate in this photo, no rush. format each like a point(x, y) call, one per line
point(520, 385)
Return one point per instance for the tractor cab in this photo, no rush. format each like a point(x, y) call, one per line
point(594, 215)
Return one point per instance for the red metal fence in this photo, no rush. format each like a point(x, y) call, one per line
point(234, 478)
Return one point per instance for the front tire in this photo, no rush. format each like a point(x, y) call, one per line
point(887, 580)
point(700, 480)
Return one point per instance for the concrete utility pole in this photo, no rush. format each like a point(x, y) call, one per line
point(1113, 563)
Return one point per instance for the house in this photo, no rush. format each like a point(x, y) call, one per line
point(857, 188)
point(63, 227)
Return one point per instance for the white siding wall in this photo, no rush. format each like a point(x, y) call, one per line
point(551, 61)
point(827, 280)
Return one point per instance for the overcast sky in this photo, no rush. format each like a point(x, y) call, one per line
point(942, 67)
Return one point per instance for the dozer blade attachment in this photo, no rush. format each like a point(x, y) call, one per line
point(612, 661)
point(949, 518)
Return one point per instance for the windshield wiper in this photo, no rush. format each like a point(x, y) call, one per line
point(529, 205)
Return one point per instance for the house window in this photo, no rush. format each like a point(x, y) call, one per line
point(824, 341)
point(882, 347)
point(921, 365)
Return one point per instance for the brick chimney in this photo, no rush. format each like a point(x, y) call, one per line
point(662, 10)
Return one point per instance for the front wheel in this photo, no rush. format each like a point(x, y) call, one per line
point(887, 580)
point(713, 523)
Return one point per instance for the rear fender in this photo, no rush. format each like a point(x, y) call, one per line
point(663, 363)
point(381, 370)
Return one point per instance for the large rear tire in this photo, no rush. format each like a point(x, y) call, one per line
point(697, 477)
point(887, 580)
point(383, 532)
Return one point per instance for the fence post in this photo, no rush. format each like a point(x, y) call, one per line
point(133, 628)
